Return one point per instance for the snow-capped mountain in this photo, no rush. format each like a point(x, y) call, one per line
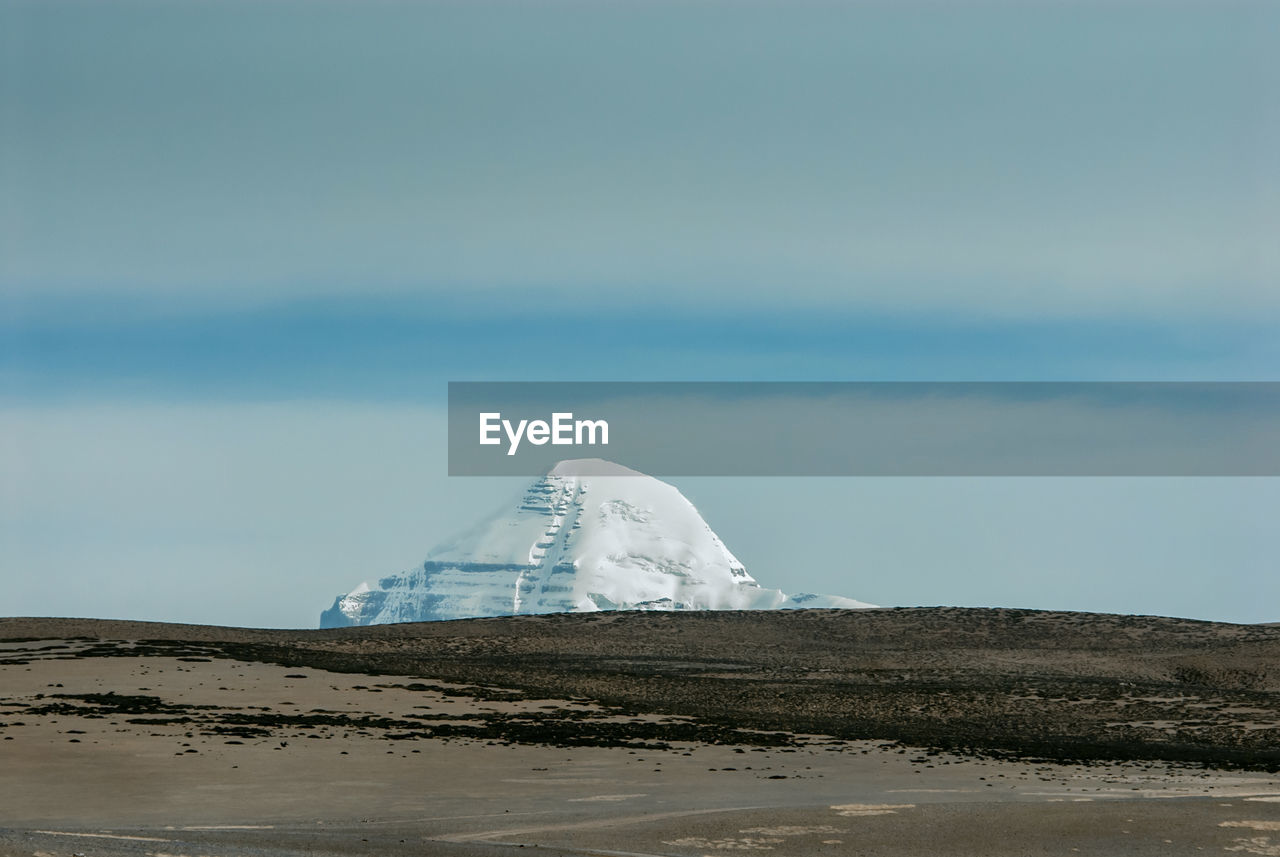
point(590, 535)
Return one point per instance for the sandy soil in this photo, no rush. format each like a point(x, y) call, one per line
point(110, 746)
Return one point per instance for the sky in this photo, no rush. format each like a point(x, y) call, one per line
point(245, 246)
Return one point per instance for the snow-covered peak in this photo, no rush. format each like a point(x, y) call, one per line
point(597, 515)
point(590, 535)
point(592, 467)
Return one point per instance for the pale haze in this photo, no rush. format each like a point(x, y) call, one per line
point(244, 247)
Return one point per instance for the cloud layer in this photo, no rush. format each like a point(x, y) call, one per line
point(994, 159)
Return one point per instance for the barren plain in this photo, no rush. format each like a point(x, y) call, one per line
point(888, 732)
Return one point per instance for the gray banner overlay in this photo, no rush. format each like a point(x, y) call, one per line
point(868, 429)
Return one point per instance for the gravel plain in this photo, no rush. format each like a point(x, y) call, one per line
point(888, 732)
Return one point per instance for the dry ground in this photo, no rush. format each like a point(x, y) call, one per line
point(671, 734)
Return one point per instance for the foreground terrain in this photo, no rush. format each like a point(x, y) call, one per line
point(885, 731)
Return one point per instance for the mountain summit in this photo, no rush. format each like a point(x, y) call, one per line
point(590, 535)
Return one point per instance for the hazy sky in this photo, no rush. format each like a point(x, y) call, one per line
point(243, 247)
